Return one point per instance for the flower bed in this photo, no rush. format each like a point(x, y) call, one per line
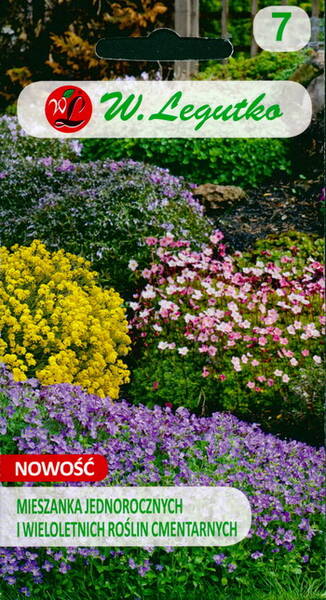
point(282, 480)
point(213, 334)
point(101, 210)
point(57, 323)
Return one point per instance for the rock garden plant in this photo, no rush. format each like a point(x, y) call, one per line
point(56, 322)
point(102, 210)
point(282, 480)
point(214, 334)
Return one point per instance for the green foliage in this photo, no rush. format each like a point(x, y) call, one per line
point(303, 151)
point(296, 244)
point(264, 66)
point(103, 580)
point(8, 445)
point(245, 162)
point(295, 412)
point(308, 389)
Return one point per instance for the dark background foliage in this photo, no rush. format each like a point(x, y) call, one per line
point(47, 39)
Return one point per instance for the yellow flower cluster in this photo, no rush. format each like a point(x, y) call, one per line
point(57, 324)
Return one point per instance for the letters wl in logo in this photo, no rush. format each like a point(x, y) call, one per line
point(68, 109)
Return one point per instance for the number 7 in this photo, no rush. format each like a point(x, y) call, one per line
point(285, 16)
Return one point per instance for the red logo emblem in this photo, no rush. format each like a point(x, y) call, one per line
point(68, 109)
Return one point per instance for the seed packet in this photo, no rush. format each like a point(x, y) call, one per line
point(161, 300)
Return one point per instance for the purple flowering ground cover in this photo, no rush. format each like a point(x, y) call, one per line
point(283, 480)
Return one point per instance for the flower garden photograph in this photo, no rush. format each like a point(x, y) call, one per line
point(162, 305)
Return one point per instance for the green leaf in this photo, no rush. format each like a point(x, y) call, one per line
point(68, 93)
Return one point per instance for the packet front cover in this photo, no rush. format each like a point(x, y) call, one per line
point(161, 300)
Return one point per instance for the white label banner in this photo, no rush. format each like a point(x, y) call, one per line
point(164, 109)
point(123, 516)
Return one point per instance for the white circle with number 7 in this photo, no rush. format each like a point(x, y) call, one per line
point(282, 28)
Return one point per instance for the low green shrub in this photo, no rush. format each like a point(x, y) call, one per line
point(244, 162)
point(264, 66)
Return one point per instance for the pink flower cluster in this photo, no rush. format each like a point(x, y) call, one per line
point(262, 322)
